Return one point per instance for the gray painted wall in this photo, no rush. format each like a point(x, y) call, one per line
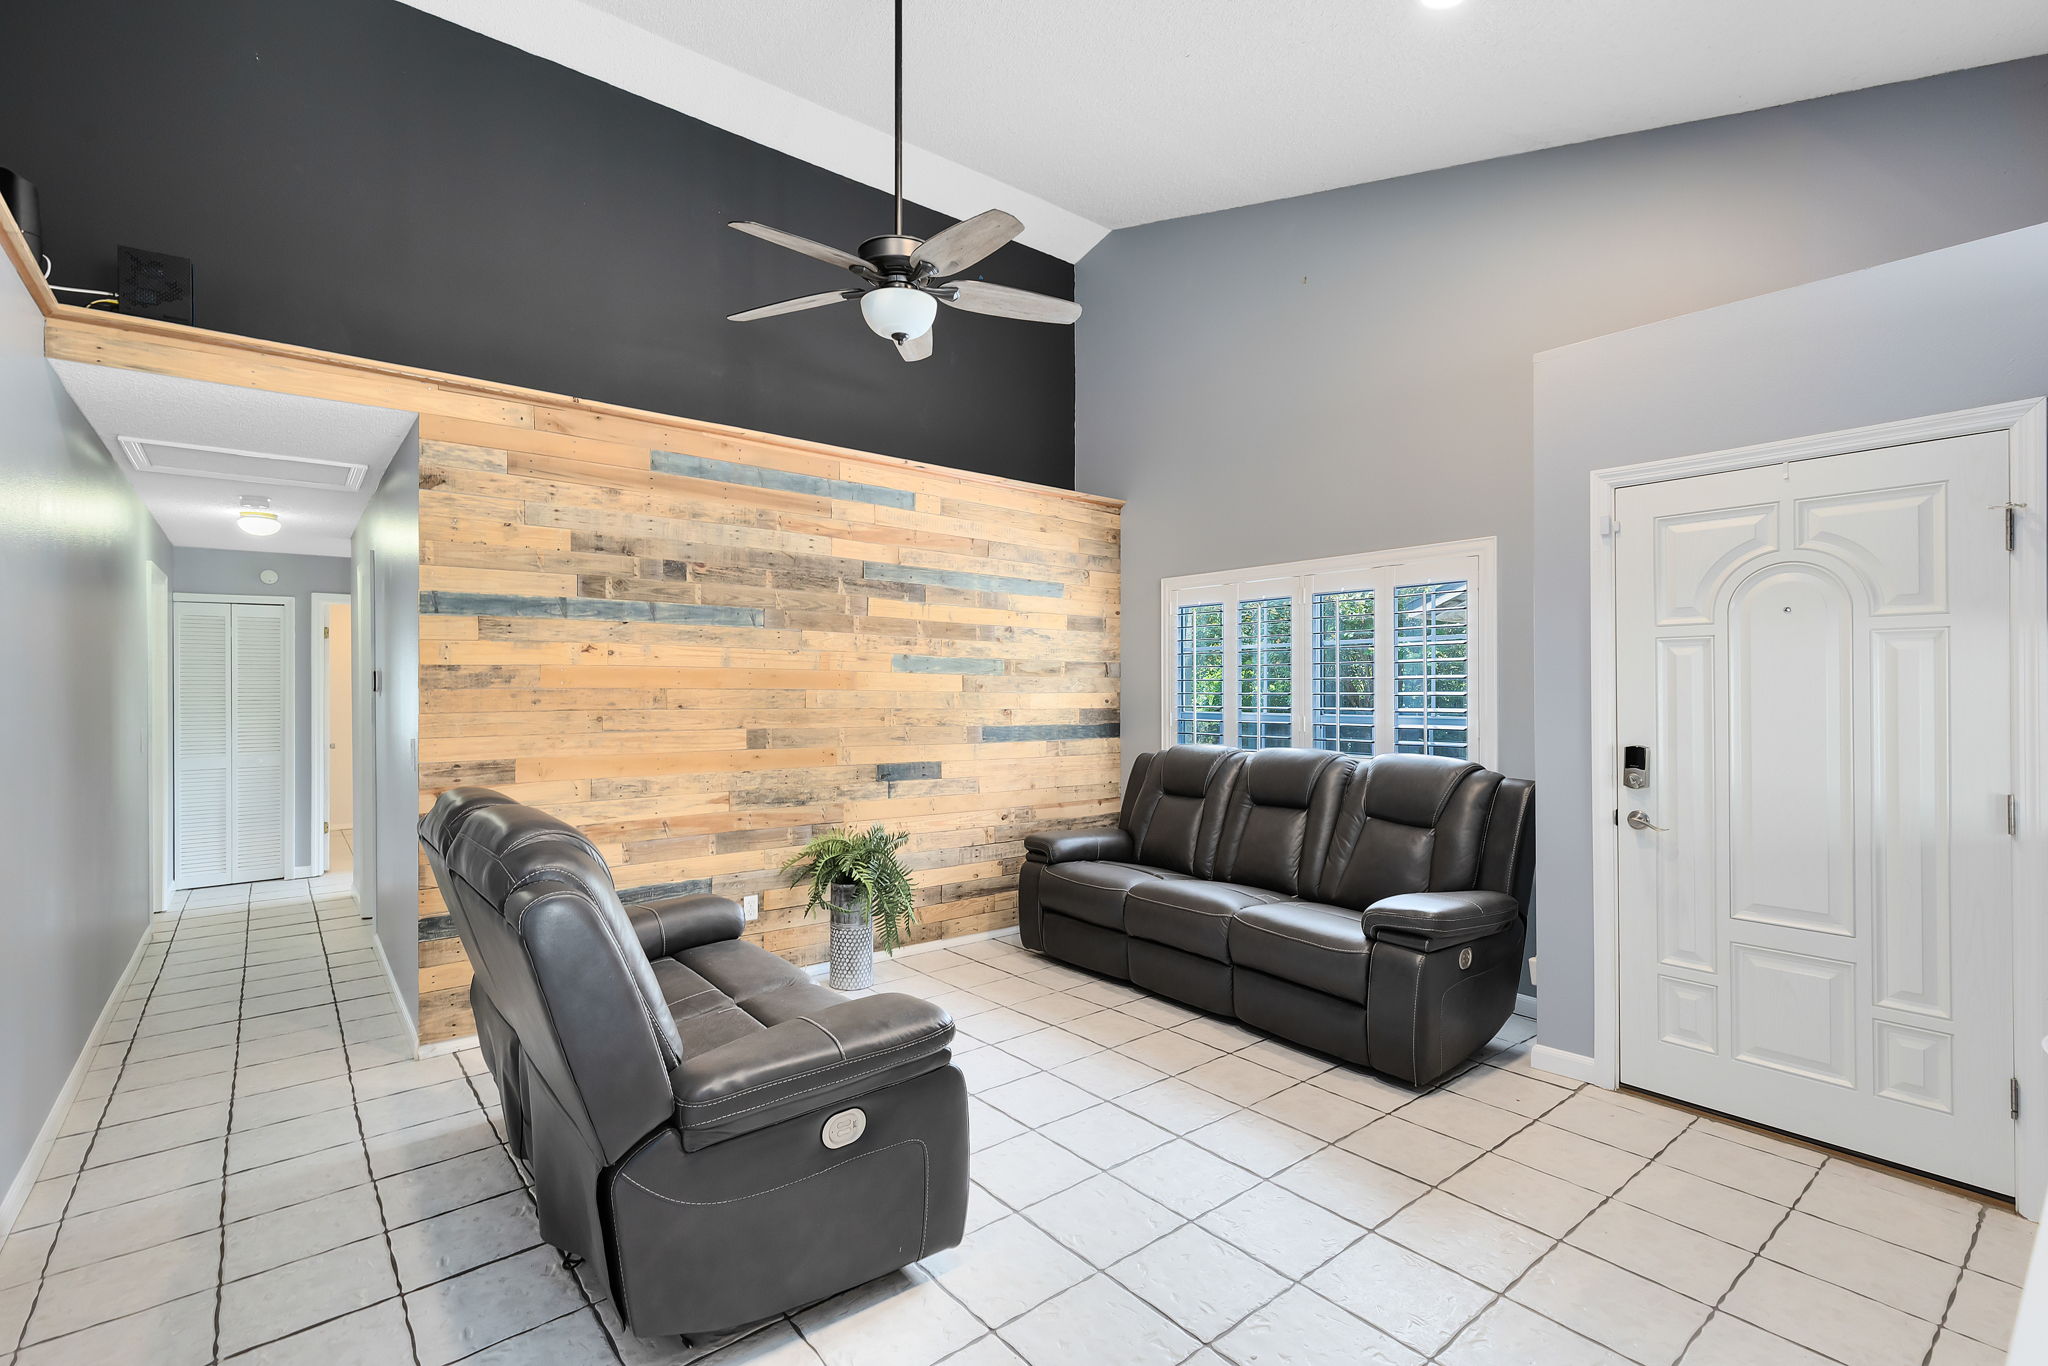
point(298, 578)
point(74, 540)
point(1958, 328)
point(386, 570)
point(1351, 370)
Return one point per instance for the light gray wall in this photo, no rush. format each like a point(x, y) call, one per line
point(386, 570)
point(1351, 370)
point(1958, 328)
point(74, 540)
point(298, 578)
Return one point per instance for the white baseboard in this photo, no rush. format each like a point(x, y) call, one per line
point(1525, 1005)
point(1577, 1066)
point(412, 1025)
point(25, 1179)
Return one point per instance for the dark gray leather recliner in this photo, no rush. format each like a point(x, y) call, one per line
point(721, 1138)
point(1370, 908)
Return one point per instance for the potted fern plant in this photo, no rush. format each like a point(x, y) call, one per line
point(858, 875)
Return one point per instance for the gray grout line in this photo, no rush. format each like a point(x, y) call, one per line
point(1948, 1305)
point(220, 1270)
point(363, 1140)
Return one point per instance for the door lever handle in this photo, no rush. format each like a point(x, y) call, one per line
point(1640, 820)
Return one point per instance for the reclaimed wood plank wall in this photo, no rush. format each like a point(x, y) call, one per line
point(703, 645)
point(703, 651)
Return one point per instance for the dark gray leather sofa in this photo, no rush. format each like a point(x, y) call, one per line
point(687, 1101)
point(1371, 909)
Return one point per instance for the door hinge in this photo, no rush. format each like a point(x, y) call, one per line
point(376, 680)
point(326, 631)
point(1617, 815)
point(2012, 522)
point(326, 829)
point(2012, 814)
point(1609, 528)
point(2015, 1097)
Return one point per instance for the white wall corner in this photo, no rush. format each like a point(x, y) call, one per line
point(1575, 1066)
point(620, 54)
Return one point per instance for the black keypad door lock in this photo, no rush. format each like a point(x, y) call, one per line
point(1635, 766)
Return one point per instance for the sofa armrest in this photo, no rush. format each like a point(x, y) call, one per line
point(1437, 920)
point(684, 922)
point(1073, 846)
point(840, 1053)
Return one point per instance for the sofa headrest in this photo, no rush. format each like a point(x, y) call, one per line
point(451, 809)
point(1285, 777)
point(1187, 770)
point(498, 847)
point(1413, 788)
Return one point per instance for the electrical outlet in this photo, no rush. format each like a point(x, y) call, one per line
point(750, 906)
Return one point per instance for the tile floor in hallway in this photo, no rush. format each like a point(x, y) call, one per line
point(258, 1171)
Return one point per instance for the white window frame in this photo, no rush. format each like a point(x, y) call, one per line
point(1472, 560)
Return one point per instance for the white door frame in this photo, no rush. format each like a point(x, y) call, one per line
point(318, 815)
point(157, 604)
point(291, 648)
point(2025, 424)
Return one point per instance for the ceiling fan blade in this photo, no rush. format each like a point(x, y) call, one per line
point(960, 246)
point(916, 348)
point(818, 251)
point(798, 305)
point(979, 296)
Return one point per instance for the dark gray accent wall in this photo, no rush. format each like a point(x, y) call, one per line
point(74, 545)
point(1959, 328)
point(1351, 370)
point(362, 177)
point(298, 578)
point(386, 572)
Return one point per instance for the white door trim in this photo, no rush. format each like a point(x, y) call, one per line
point(291, 648)
point(2025, 424)
point(318, 816)
point(157, 599)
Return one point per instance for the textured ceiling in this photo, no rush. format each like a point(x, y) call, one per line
point(201, 512)
point(1130, 111)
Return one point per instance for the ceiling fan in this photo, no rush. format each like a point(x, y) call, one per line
point(902, 279)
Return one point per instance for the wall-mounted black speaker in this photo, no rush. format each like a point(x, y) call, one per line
point(155, 285)
point(20, 193)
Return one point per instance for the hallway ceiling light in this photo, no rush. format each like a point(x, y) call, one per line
point(257, 519)
point(1441, 4)
point(900, 290)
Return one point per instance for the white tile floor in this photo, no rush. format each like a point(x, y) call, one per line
point(258, 1172)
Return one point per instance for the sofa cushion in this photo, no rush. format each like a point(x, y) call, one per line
point(1281, 812)
point(1095, 891)
point(1386, 836)
point(724, 991)
point(1178, 812)
point(1303, 942)
point(1189, 914)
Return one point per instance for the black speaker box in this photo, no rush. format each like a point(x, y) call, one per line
point(155, 285)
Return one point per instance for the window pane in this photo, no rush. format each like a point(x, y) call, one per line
point(1432, 704)
point(1265, 673)
point(1342, 671)
point(1198, 685)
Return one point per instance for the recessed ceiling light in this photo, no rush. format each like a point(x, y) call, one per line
point(256, 518)
point(1441, 4)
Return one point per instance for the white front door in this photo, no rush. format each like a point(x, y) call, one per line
point(1814, 658)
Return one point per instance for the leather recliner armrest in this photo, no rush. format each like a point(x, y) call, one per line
point(1074, 846)
point(840, 1053)
point(1437, 920)
point(684, 922)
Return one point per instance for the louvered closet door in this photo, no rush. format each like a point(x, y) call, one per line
point(201, 850)
point(229, 787)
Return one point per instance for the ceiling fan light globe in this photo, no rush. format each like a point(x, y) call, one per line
point(898, 311)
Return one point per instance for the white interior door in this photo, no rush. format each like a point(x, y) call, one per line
point(229, 768)
point(1816, 658)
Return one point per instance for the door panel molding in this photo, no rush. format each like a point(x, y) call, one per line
point(1909, 1062)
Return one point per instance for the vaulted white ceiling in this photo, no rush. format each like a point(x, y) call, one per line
point(1097, 114)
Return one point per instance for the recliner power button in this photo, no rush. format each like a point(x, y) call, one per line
point(1464, 958)
point(845, 1127)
